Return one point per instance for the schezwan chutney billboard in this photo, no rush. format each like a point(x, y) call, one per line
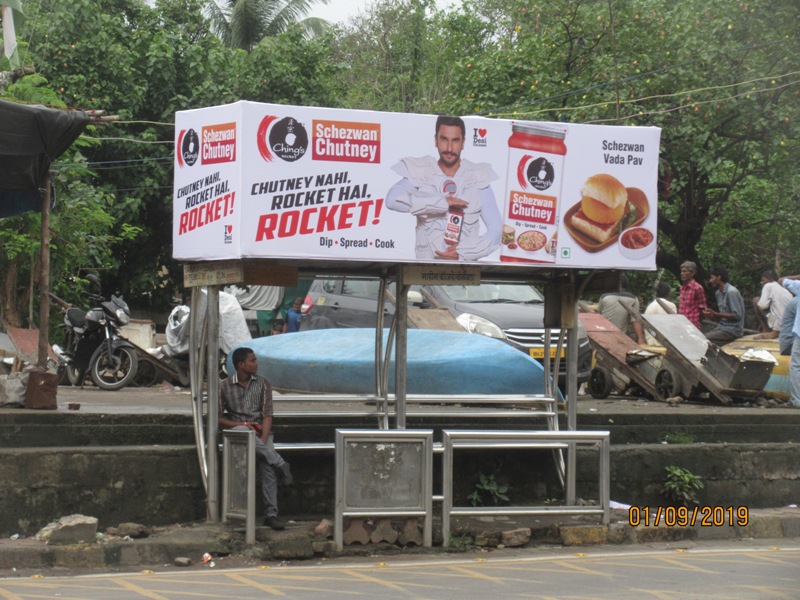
point(270, 181)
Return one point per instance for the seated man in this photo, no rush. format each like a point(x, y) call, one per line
point(245, 402)
point(769, 306)
point(730, 316)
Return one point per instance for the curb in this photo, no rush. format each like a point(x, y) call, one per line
point(298, 541)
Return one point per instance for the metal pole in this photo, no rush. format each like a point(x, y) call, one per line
point(381, 367)
point(44, 278)
point(571, 309)
point(212, 313)
point(401, 348)
point(380, 384)
point(197, 343)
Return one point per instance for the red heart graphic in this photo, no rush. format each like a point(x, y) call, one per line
point(482, 132)
point(229, 228)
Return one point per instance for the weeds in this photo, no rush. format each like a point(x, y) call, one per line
point(681, 486)
point(488, 490)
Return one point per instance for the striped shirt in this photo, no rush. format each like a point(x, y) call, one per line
point(250, 404)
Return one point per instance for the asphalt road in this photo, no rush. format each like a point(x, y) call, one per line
point(729, 571)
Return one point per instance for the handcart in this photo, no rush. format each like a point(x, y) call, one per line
point(693, 366)
point(619, 361)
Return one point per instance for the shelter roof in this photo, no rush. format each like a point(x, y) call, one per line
point(31, 138)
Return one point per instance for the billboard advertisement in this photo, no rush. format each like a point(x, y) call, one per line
point(271, 181)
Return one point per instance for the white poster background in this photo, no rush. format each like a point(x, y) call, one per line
point(311, 183)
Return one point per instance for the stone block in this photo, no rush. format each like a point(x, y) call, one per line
point(791, 527)
point(356, 532)
point(291, 549)
point(73, 529)
point(726, 532)
point(383, 532)
point(133, 530)
point(762, 526)
point(620, 533)
point(583, 535)
point(515, 537)
point(324, 529)
point(79, 557)
point(411, 533)
point(324, 547)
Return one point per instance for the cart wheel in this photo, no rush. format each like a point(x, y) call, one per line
point(147, 375)
point(668, 384)
point(599, 383)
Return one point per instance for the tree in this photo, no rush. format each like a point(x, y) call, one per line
point(143, 64)
point(717, 78)
point(244, 23)
point(81, 229)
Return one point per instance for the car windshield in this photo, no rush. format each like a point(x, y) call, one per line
point(494, 292)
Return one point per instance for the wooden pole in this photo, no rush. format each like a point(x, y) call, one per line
point(44, 278)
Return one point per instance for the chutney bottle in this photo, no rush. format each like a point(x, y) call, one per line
point(455, 215)
point(536, 154)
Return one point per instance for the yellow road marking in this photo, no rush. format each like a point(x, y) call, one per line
point(375, 580)
point(264, 588)
point(476, 575)
point(8, 595)
point(139, 590)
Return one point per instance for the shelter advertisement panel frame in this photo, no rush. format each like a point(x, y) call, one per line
point(384, 473)
point(271, 181)
point(239, 479)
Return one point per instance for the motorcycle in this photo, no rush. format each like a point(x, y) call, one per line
point(93, 344)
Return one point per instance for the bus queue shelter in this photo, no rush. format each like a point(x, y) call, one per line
point(266, 194)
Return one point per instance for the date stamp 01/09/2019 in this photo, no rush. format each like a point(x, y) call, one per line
point(685, 516)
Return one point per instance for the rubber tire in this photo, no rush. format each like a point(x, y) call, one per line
point(126, 361)
point(668, 384)
point(599, 383)
point(75, 376)
point(147, 374)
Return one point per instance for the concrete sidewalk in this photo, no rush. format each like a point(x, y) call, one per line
point(624, 416)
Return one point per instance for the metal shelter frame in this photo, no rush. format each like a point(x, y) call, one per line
point(204, 349)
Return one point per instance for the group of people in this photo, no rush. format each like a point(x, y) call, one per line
point(775, 308)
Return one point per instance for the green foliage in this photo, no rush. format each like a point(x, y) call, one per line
point(142, 63)
point(719, 79)
point(487, 489)
point(681, 486)
point(678, 437)
point(462, 541)
point(242, 24)
point(719, 82)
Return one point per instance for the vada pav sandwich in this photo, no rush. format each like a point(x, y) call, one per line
point(604, 204)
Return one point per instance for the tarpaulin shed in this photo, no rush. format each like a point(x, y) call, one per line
point(31, 138)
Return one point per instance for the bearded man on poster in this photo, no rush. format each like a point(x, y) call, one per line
point(431, 189)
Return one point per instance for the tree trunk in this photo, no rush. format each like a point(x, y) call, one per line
point(11, 310)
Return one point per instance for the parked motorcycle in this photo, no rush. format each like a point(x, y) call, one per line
point(93, 344)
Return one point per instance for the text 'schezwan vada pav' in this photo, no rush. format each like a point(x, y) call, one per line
point(604, 204)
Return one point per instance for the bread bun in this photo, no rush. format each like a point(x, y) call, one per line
point(600, 232)
point(604, 198)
